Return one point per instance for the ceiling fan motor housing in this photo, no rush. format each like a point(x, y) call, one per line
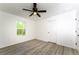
point(35, 10)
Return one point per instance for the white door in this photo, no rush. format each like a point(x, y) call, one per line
point(66, 29)
point(52, 30)
point(62, 30)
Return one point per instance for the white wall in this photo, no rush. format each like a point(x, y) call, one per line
point(59, 29)
point(8, 29)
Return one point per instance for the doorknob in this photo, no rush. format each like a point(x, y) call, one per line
point(78, 35)
point(48, 32)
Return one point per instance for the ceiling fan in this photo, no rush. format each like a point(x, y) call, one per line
point(35, 10)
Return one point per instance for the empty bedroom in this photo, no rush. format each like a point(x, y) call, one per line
point(39, 29)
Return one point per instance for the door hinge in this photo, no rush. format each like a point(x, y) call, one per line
point(75, 43)
point(75, 18)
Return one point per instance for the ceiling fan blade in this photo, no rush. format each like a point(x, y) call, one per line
point(35, 5)
point(38, 15)
point(26, 9)
point(31, 14)
point(42, 11)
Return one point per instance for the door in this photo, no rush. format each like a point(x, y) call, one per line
point(62, 30)
point(52, 30)
point(66, 29)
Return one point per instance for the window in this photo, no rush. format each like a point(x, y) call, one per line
point(20, 28)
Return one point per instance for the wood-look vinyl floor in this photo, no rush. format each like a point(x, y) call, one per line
point(37, 47)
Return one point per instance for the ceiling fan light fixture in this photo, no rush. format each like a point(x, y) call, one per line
point(35, 13)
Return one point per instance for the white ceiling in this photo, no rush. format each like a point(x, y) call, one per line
point(52, 9)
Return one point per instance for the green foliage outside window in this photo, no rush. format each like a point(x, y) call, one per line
point(20, 28)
